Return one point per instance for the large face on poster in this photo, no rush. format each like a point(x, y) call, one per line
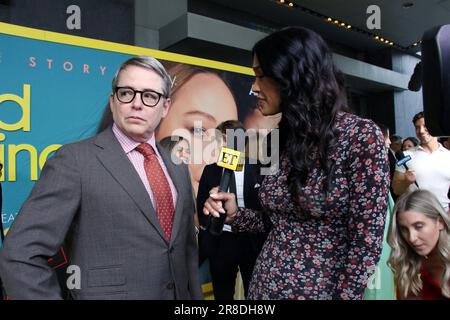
point(202, 98)
point(54, 93)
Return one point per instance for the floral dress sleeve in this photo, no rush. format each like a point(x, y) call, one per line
point(368, 194)
point(248, 220)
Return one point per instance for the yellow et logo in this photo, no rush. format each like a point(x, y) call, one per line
point(230, 159)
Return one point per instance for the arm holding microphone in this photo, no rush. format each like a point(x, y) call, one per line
point(402, 180)
point(230, 160)
point(222, 205)
point(241, 219)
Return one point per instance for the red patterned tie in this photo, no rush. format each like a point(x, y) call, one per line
point(160, 187)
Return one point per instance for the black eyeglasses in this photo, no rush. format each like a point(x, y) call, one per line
point(149, 98)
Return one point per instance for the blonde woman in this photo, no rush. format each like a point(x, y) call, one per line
point(419, 236)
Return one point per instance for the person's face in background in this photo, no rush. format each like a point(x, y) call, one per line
point(268, 99)
point(396, 146)
point(422, 132)
point(205, 98)
point(419, 231)
point(135, 119)
point(182, 151)
point(407, 144)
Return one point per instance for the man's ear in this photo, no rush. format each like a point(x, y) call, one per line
point(111, 98)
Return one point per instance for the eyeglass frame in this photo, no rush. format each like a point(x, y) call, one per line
point(142, 97)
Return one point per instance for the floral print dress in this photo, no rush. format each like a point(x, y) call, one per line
point(324, 245)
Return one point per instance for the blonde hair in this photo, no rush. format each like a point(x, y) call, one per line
point(403, 260)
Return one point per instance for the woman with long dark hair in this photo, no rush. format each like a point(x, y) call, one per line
point(328, 199)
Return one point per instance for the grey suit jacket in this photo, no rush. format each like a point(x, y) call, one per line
point(90, 193)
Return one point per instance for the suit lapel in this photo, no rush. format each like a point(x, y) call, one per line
point(113, 158)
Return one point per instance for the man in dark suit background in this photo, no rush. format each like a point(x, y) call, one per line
point(125, 209)
point(230, 251)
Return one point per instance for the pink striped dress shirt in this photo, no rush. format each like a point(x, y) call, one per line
point(137, 159)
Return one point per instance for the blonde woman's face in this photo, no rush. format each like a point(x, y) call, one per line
point(419, 231)
point(199, 105)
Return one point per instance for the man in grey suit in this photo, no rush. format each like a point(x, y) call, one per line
point(123, 208)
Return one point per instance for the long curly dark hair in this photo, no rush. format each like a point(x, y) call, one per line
point(312, 93)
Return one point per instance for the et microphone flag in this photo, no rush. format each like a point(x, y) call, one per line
point(231, 160)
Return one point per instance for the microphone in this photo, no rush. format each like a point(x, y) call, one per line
point(231, 160)
point(402, 160)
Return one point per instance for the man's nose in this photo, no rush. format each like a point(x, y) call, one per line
point(137, 101)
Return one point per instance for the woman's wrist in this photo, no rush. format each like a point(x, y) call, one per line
point(230, 217)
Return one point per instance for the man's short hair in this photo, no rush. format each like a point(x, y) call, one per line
point(234, 131)
point(148, 63)
point(396, 139)
point(230, 124)
point(418, 116)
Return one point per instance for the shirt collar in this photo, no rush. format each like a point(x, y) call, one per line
point(440, 148)
point(129, 144)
